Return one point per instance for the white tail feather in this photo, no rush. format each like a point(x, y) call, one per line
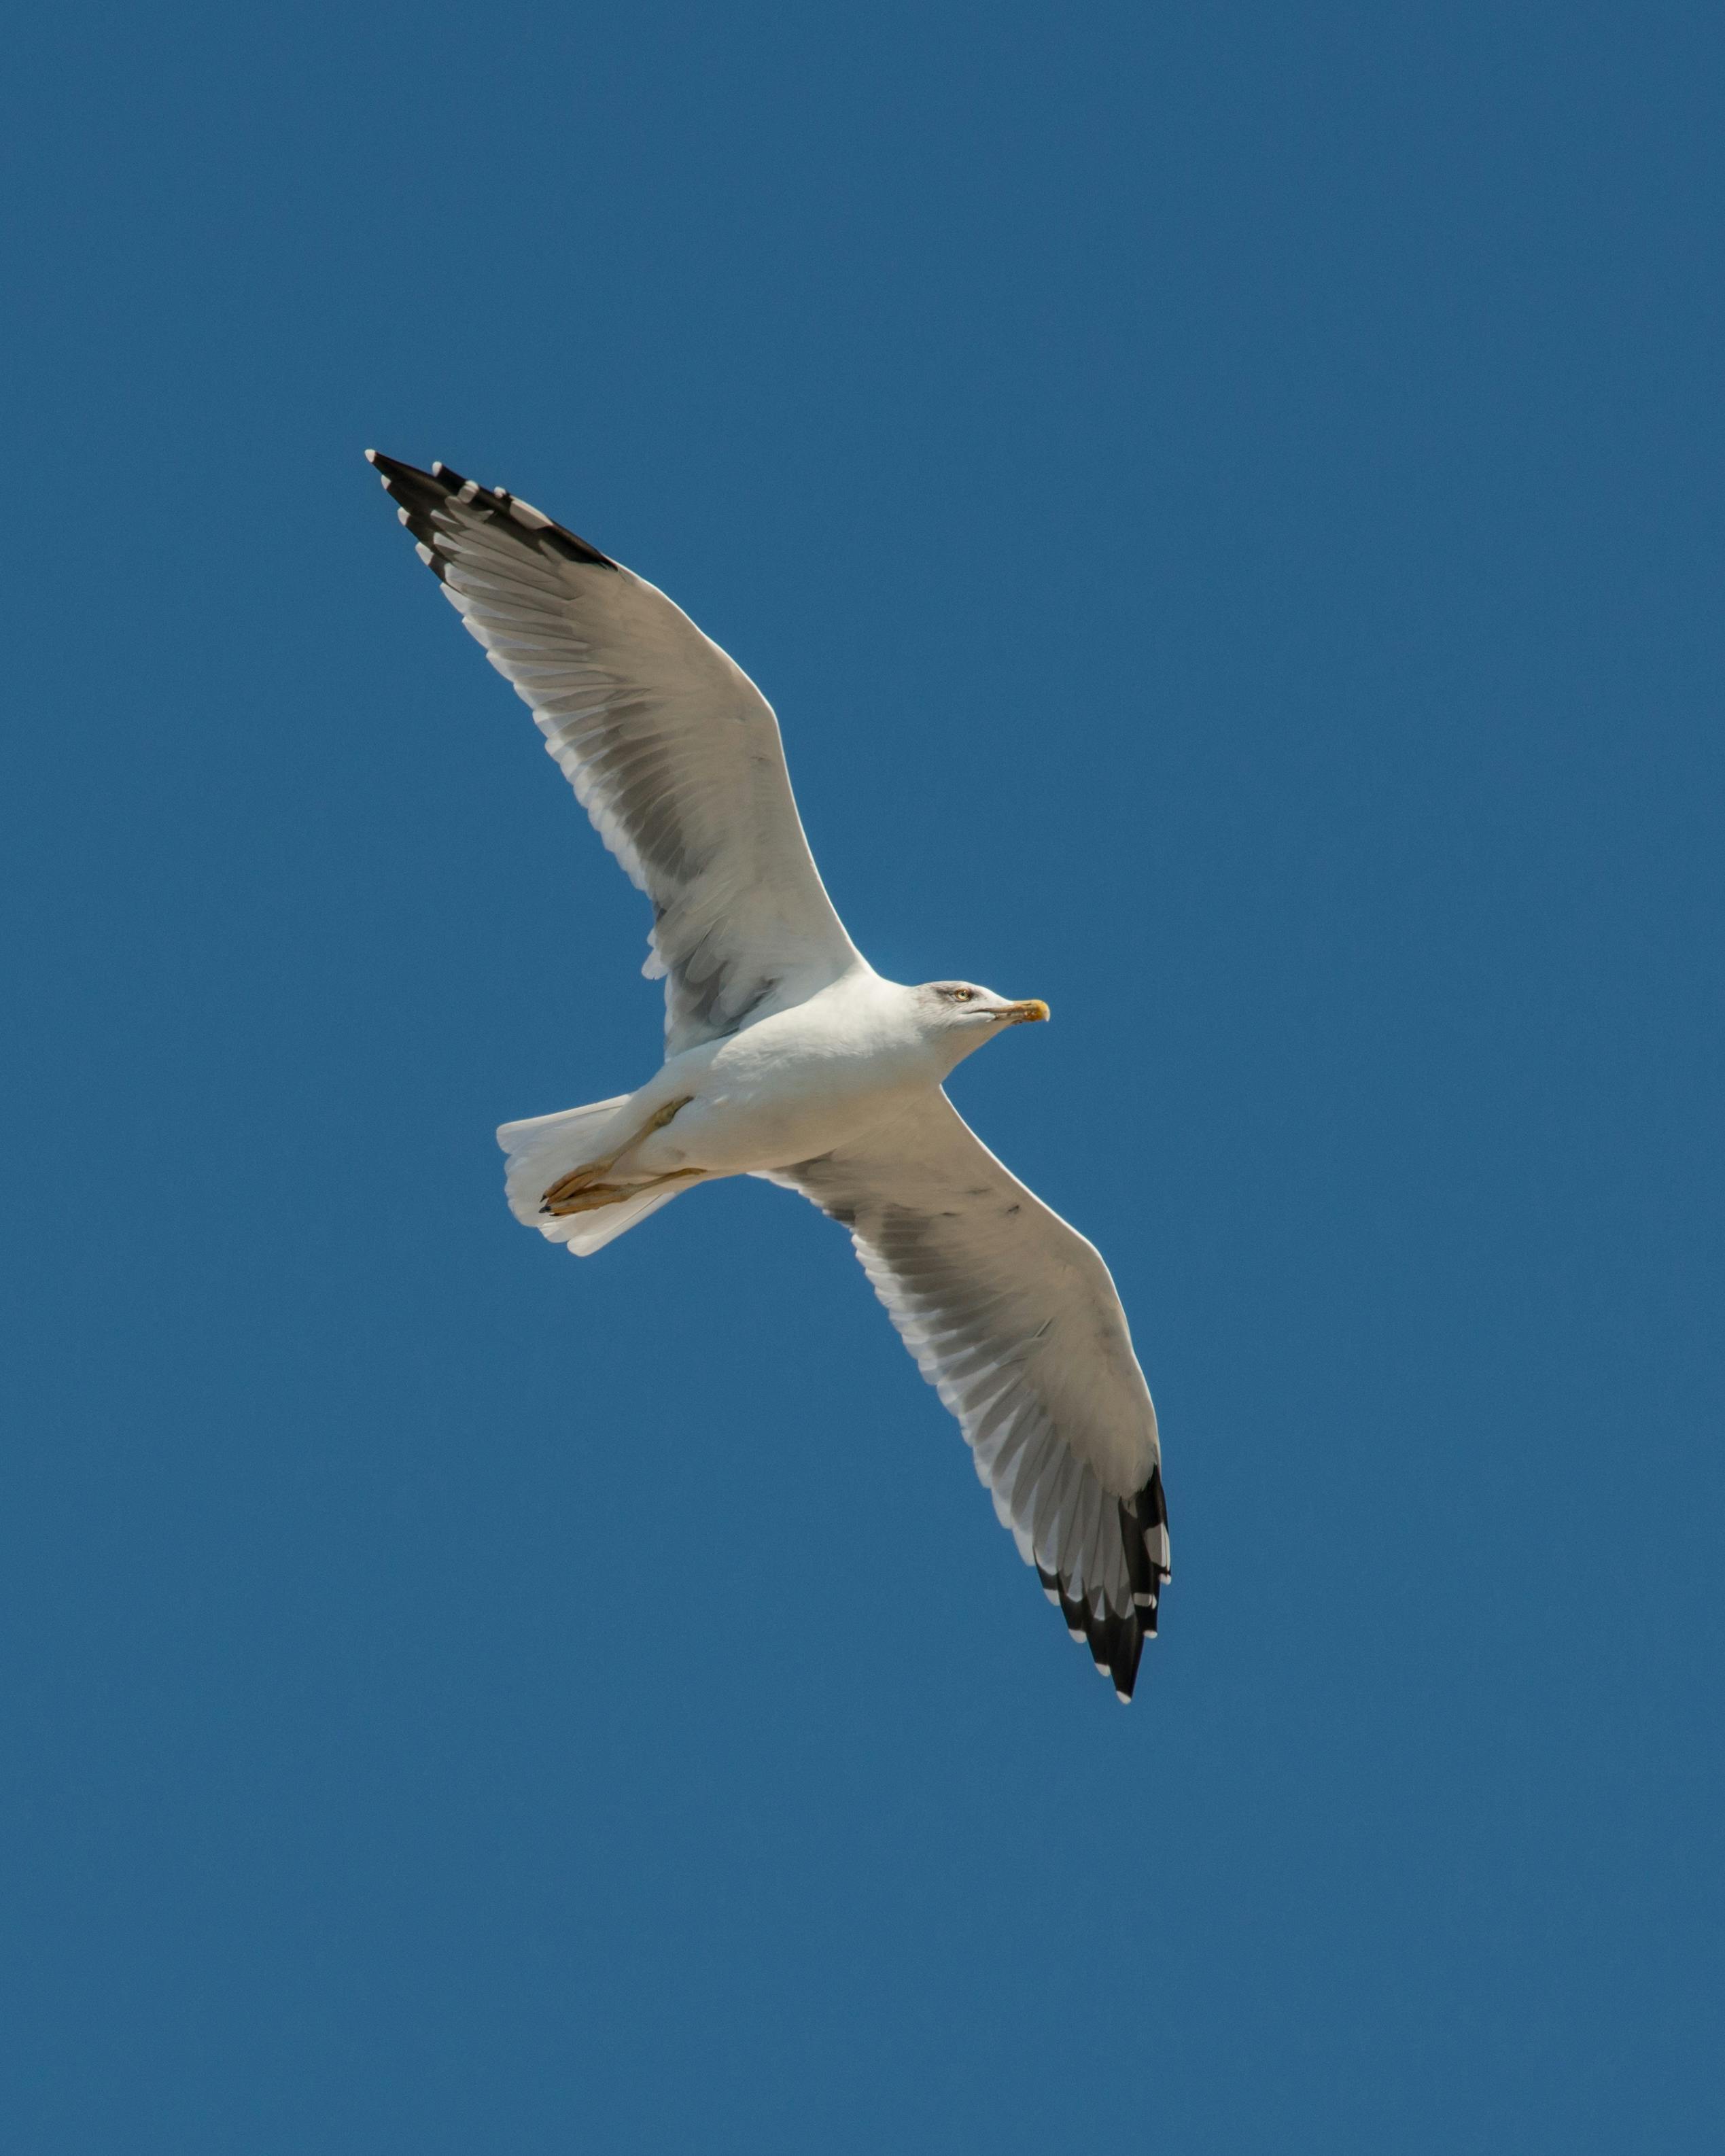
point(584, 1233)
point(545, 1148)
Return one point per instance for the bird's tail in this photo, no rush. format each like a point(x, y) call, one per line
point(545, 1147)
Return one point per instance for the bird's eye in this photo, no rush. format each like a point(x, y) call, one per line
point(962, 995)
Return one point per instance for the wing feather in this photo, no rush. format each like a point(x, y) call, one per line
point(670, 748)
point(1012, 1316)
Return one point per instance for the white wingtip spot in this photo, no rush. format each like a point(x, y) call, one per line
point(371, 456)
point(524, 512)
point(423, 551)
point(1124, 1697)
point(438, 468)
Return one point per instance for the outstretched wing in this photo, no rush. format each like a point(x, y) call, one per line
point(670, 747)
point(1013, 1317)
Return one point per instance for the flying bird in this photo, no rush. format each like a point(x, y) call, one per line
point(787, 1056)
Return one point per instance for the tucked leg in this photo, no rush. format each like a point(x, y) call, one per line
point(588, 1176)
point(592, 1195)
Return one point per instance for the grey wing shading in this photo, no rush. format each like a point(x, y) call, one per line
point(1012, 1315)
point(671, 749)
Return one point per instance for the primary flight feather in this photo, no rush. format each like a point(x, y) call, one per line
point(787, 1056)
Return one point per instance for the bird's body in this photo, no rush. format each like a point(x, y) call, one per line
point(793, 1086)
point(788, 1057)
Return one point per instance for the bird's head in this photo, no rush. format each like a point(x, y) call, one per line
point(957, 1016)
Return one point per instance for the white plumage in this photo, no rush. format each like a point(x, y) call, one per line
point(788, 1056)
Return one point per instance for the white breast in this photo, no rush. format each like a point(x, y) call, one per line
point(796, 1084)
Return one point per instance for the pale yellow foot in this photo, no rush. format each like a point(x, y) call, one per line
point(590, 1198)
point(588, 1176)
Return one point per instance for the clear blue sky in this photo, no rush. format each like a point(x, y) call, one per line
point(1227, 501)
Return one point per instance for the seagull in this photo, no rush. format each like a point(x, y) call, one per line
point(787, 1056)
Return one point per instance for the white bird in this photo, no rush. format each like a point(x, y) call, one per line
point(788, 1057)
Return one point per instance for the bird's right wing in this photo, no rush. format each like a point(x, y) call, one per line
point(670, 747)
point(1012, 1315)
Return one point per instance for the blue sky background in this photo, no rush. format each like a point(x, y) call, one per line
point(1226, 500)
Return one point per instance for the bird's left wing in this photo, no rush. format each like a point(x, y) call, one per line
point(670, 747)
point(1012, 1316)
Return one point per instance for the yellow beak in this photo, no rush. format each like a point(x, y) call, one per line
point(1025, 1013)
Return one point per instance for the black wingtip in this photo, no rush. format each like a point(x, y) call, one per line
point(436, 503)
point(1116, 1638)
point(393, 468)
